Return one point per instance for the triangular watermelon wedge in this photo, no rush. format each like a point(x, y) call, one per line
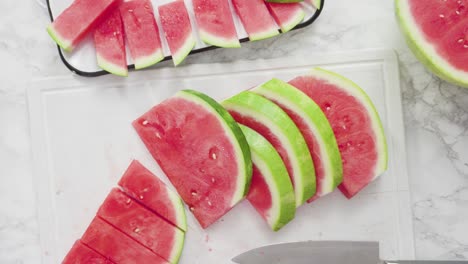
point(287, 15)
point(256, 19)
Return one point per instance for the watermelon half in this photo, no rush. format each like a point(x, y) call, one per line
point(143, 186)
point(356, 125)
point(274, 124)
point(315, 128)
point(75, 22)
point(286, 15)
point(82, 254)
point(271, 192)
point(142, 33)
point(110, 45)
point(256, 19)
point(201, 149)
point(437, 33)
point(142, 225)
point(215, 23)
point(175, 22)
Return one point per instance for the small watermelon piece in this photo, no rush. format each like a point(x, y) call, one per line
point(201, 149)
point(75, 22)
point(143, 186)
point(286, 15)
point(315, 128)
point(271, 192)
point(175, 22)
point(82, 254)
point(142, 33)
point(437, 33)
point(215, 23)
point(274, 124)
point(356, 125)
point(116, 246)
point(110, 45)
point(256, 19)
point(142, 225)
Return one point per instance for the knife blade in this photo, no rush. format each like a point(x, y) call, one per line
point(322, 252)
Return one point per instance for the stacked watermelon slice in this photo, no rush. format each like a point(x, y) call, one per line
point(117, 23)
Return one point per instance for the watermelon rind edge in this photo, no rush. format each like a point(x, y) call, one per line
point(150, 60)
point(65, 45)
point(292, 23)
point(217, 41)
point(234, 133)
point(317, 3)
point(357, 92)
point(424, 51)
point(111, 67)
point(267, 112)
point(179, 55)
point(269, 162)
point(264, 34)
point(294, 99)
point(178, 247)
point(179, 209)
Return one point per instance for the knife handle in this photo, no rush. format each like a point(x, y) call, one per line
point(426, 262)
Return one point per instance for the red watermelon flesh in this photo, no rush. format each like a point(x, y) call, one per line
point(354, 131)
point(82, 254)
point(110, 45)
point(259, 193)
point(116, 246)
point(142, 225)
point(75, 22)
point(286, 15)
point(175, 22)
point(142, 33)
point(143, 186)
point(256, 19)
point(215, 23)
point(445, 25)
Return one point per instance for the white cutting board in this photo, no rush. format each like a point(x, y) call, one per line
point(83, 58)
point(83, 141)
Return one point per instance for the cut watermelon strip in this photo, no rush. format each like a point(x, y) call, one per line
point(175, 22)
point(143, 186)
point(202, 151)
point(142, 225)
point(274, 124)
point(356, 125)
point(82, 254)
point(287, 15)
point(437, 33)
point(142, 33)
point(215, 23)
point(271, 191)
point(110, 45)
point(70, 27)
point(256, 19)
point(116, 246)
point(315, 128)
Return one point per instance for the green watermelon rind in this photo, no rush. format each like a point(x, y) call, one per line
point(111, 67)
point(317, 3)
point(424, 51)
point(293, 22)
point(268, 161)
point(178, 247)
point(264, 34)
point(150, 60)
point(64, 44)
point(354, 90)
point(211, 39)
point(179, 209)
point(301, 104)
point(269, 114)
point(179, 56)
point(234, 133)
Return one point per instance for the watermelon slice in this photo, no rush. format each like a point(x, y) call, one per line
point(356, 125)
point(143, 186)
point(175, 22)
point(116, 246)
point(271, 192)
point(256, 19)
point(202, 151)
point(215, 23)
point(274, 124)
point(142, 33)
point(110, 45)
point(315, 128)
point(437, 33)
point(142, 225)
point(75, 22)
point(82, 254)
point(286, 15)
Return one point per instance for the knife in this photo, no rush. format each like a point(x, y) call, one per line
point(324, 252)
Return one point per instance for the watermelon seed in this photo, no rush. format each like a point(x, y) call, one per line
point(129, 201)
point(158, 135)
point(213, 153)
point(461, 40)
point(213, 180)
point(465, 46)
point(194, 193)
point(136, 230)
point(209, 203)
point(441, 16)
point(130, 10)
point(202, 170)
point(192, 208)
point(145, 122)
point(141, 197)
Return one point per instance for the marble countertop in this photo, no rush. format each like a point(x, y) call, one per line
point(436, 118)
